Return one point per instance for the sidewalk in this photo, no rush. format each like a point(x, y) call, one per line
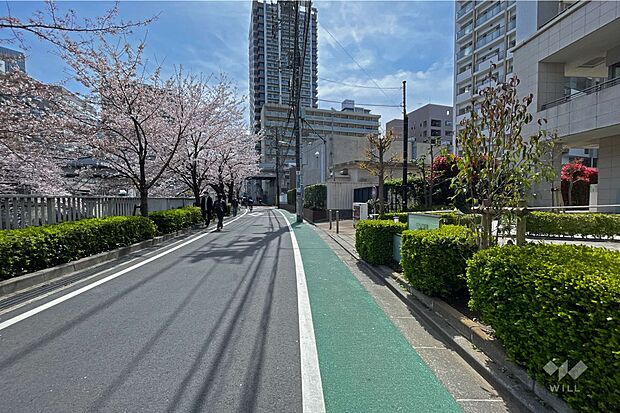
point(374, 354)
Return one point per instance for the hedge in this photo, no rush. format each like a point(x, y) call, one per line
point(555, 303)
point(446, 218)
point(315, 196)
point(434, 261)
point(291, 196)
point(584, 224)
point(34, 248)
point(173, 220)
point(374, 240)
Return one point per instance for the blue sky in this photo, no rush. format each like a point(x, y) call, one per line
point(392, 40)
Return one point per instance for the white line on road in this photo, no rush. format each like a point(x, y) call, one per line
point(72, 294)
point(311, 385)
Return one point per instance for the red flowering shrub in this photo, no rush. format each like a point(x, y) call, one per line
point(576, 181)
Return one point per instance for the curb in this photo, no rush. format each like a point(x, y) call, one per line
point(470, 340)
point(23, 282)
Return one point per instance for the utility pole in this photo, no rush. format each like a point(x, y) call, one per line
point(296, 118)
point(277, 143)
point(405, 146)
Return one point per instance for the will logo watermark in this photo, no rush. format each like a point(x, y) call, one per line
point(578, 369)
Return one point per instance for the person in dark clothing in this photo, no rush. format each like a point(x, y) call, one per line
point(206, 208)
point(219, 207)
point(235, 206)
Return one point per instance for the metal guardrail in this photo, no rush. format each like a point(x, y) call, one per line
point(20, 211)
point(585, 92)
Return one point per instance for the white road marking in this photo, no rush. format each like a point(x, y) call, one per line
point(311, 385)
point(79, 291)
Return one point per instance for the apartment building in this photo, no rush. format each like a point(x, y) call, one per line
point(271, 46)
point(485, 31)
point(11, 60)
point(571, 64)
point(337, 135)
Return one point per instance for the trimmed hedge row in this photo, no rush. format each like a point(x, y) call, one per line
point(35, 248)
point(291, 196)
point(434, 261)
point(315, 196)
point(555, 303)
point(446, 218)
point(173, 220)
point(374, 240)
point(584, 224)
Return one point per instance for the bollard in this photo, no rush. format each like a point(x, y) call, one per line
point(329, 216)
point(337, 222)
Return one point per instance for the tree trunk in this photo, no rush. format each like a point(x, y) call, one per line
point(230, 191)
point(570, 192)
point(144, 202)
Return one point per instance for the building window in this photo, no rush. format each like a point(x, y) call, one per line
point(425, 123)
point(435, 132)
point(436, 122)
point(424, 134)
point(448, 123)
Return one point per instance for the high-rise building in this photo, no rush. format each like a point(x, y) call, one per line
point(11, 60)
point(272, 38)
point(484, 33)
point(569, 59)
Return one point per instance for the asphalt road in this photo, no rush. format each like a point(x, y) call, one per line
point(211, 326)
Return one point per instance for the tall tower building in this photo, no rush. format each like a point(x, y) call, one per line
point(272, 37)
point(485, 31)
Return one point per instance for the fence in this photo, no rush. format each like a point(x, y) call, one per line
point(19, 211)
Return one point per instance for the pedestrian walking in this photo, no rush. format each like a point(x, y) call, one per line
point(219, 207)
point(206, 208)
point(235, 206)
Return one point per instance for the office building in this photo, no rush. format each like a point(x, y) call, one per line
point(336, 135)
point(570, 62)
point(271, 46)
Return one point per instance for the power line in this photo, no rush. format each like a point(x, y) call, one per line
point(359, 86)
point(352, 58)
point(363, 104)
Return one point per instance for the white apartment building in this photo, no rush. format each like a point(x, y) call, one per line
point(484, 33)
point(329, 137)
point(571, 64)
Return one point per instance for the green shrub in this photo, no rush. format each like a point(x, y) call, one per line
point(173, 220)
point(35, 248)
point(402, 216)
point(555, 303)
point(291, 196)
point(453, 218)
point(374, 240)
point(315, 196)
point(434, 261)
point(584, 224)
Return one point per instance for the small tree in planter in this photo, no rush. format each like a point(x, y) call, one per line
point(498, 165)
point(376, 152)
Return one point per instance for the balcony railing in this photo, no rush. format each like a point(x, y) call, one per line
point(464, 10)
point(585, 92)
point(489, 37)
point(464, 31)
point(489, 14)
point(463, 53)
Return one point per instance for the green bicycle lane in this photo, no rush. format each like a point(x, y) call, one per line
point(365, 362)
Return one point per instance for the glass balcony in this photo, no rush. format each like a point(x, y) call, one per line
point(464, 10)
point(462, 53)
point(464, 31)
point(489, 14)
point(488, 38)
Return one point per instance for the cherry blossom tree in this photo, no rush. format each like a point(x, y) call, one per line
point(33, 140)
point(141, 117)
point(60, 27)
point(220, 110)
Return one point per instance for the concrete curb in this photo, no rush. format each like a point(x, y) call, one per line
point(23, 282)
point(469, 339)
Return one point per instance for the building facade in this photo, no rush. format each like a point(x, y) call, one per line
point(271, 46)
point(571, 64)
point(430, 131)
point(11, 60)
point(485, 31)
point(329, 137)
